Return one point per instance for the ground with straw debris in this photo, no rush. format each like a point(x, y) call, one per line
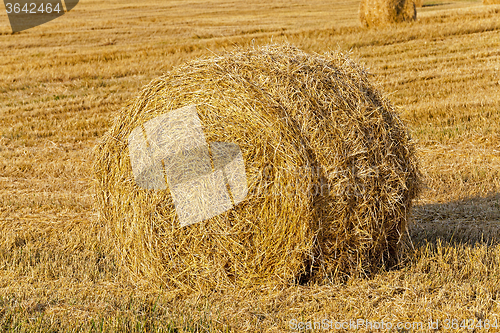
point(62, 82)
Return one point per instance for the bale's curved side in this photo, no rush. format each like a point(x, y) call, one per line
point(331, 174)
point(374, 13)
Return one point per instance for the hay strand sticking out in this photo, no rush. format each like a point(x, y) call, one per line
point(374, 13)
point(330, 168)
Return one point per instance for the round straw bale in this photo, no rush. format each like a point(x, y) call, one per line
point(383, 12)
point(330, 173)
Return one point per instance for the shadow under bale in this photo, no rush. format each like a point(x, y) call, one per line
point(470, 221)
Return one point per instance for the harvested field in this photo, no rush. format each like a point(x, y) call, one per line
point(62, 83)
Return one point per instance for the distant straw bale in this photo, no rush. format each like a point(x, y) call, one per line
point(383, 12)
point(330, 173)
point(491, 2)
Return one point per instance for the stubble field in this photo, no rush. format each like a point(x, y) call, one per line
point(62, 82)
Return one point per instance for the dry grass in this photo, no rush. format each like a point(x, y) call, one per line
point(419, 3)
point(491, 2)
point(61, 83)
point(374, 13)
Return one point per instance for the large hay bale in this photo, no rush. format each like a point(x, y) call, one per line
point(330, 170)
point(491, 2)
point(383, 12)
